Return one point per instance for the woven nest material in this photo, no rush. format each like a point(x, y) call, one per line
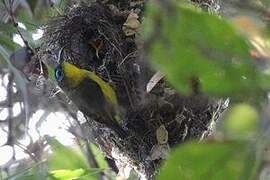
point(120, 62)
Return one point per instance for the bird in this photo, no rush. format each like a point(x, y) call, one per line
point(90, 93)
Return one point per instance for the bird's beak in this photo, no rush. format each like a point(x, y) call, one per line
point(59, 57)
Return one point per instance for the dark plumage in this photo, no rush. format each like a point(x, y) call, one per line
point(90, 94)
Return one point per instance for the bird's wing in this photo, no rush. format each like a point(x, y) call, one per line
point(108, 91)
point(93, 99)
point(89, 97)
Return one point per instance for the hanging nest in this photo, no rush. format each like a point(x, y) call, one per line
point(155, 121)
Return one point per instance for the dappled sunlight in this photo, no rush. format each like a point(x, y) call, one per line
point(3, 94)
point(3, 114)
point(3, 137)
point(6, 154)
point(55, 125)
point(17, 39)
point(17, 108)
point(37, 34)
point(20, 153)
point(33, 130)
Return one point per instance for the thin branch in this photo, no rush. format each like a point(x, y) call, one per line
point(10, 111)
point(27, 151)
point(89, 153)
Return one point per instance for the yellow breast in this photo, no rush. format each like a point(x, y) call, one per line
point(73, 74)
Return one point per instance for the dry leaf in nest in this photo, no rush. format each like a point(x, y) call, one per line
point(154, 81)
point(124, 173)
point(130, 27)
point(162, 135)
point(159, 152)
point(96, 44)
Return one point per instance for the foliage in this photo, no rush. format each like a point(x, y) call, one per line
point(241, 120)
point(193, 44)
point(187, 44)
point(193, 161)
point(65, 163)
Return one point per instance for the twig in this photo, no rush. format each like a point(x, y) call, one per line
point(127, 56)
point(27, 151)
point(89, 153)
point(10, 112)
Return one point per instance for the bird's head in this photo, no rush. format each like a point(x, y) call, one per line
point(69, 75)
point(59, 73)
point(66, 74)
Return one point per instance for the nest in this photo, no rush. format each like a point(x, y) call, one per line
point(94, 40)
point(212, 6)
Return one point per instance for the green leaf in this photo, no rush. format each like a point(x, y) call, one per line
point(66, 174)
point(211, 161)
point(24, 17)
point(66, 161)
point(241, 119)
point(7, 28)
point(7, 42)
point(192, 44)
point(5, 53)
point(50, 72)
point(99, 157)
point(27, 35)
point(31, 23)
point(65, 158)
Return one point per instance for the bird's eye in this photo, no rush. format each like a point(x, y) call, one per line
point(59, 75)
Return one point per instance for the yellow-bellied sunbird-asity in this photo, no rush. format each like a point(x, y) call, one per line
point(90, 94)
